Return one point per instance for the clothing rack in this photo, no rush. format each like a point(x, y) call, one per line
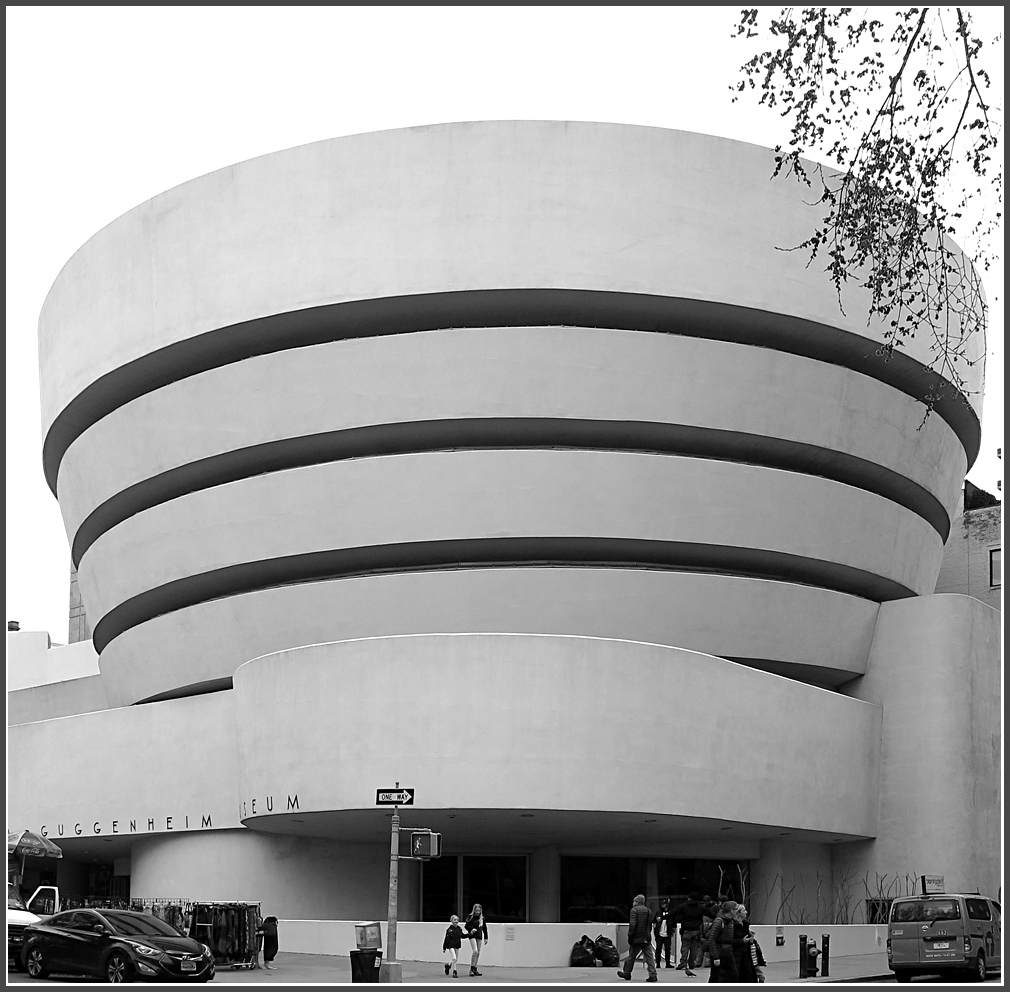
point(229, 930)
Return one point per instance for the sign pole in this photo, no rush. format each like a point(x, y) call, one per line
point(392, 968)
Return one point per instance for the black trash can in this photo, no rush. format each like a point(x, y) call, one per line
point(365, 966)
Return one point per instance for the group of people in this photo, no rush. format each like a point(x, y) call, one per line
point(718, 932)
point(475, 930)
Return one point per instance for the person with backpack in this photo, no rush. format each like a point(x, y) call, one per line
point(689, 916)
point(719, 944)
point(452, 943)
point(639, 941)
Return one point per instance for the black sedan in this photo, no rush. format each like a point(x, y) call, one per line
point(116, 945)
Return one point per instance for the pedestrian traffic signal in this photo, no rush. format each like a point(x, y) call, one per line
point(425, 844)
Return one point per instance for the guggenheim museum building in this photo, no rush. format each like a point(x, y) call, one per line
point(515, 463)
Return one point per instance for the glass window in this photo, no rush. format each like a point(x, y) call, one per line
point(14, 900)
point(139, 924)
point(996, 567)
point(978, 909)
point(925, 910)
point(439, 888)
point(62, 922)
point(498, 883)
point(601, 889)
point(83, 921)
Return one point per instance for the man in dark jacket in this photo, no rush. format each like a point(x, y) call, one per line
point(689, 916)
point(639, 940)
point(663, 928)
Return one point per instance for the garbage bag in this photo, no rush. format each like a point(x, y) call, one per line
point(582, 954)
point(605, 952)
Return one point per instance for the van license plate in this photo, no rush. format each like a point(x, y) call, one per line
point(189, 966)
point(942, 945)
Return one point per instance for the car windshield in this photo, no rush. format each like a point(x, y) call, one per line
point(14, 900)
point(137, 925)
point(925, 910)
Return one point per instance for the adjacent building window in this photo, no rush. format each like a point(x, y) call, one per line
point(878, 910)
point(996, 567)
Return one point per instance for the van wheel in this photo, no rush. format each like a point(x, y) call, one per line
point(979, 971)
point(36, 963)
point(903, 976)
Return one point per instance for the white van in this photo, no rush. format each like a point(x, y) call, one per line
point(18, 918)
point(938, 934)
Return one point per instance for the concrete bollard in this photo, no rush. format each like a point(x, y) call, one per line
point(825, 948)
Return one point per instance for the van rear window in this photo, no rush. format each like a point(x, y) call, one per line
point(923, 910)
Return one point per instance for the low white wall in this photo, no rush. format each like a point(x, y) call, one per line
point(845, 940)
point(546, 945)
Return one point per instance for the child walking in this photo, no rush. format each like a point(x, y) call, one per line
point(452, 943)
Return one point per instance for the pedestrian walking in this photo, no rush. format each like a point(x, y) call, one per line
point(746, 949)
point(663, 927)
point(742, 940)
point(639, 940)
point(689, 916)
point(268, 929)
point(452, 943)
point(476, 931)
point(709, 911)
point(719, 944)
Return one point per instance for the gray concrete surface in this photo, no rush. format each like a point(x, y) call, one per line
point(320, 969)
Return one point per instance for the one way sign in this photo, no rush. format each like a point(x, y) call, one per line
point(394, 797)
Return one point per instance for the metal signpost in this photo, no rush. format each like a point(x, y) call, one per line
point(395, 798)
point(424, 845)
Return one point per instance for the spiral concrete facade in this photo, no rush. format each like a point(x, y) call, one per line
point(547, 397)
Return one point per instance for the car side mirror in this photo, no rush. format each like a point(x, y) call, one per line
point(98, 928)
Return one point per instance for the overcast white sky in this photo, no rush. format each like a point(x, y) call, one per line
point(106, 107)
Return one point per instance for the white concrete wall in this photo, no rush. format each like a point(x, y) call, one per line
point(127, 772)
point(724, 615)
point(465, 495)
point(537, 372)
point(792, 880)
point(523, 945)
point(562, 725)
point(32, 659)
point(935, 668)
point(459, 206)
point(546, 945)
point(285, 874)
point(56, 699)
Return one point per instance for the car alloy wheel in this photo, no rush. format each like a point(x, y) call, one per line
point(118, 968)
point(37, 963)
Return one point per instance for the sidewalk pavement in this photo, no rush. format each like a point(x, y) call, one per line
point(320, 969)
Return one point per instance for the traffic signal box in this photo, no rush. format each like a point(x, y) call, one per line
point(425, 844)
